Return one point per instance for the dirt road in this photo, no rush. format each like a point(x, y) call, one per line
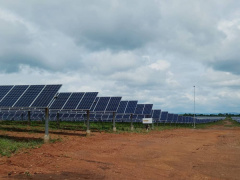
point(212, 153)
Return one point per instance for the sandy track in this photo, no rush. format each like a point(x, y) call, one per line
point(212, 153)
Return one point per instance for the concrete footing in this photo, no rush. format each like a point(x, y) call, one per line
point(132, 128)
point(46, 138)
point(88, 133)
point(114, 129)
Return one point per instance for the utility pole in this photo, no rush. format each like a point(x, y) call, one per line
point(194, 121)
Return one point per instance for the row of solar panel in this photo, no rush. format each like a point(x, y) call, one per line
point(27, 95)
point(102, 117)
point(42, 96)
point(237, 119)
point(74, 101)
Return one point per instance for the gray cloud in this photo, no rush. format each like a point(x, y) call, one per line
point(153, 51)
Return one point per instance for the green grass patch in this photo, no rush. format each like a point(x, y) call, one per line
point(11, 145)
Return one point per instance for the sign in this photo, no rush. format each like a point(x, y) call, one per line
point(147, 120)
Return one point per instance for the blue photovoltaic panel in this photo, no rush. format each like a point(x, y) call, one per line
point(147, 109)
point(184, 119)
point(164, 116)
point(180, 119)
point(119, 116)
point(29, 96)
point(105, 117)
point(13, 96)
point(126, 116)
point(134, 116)
point(113, 104)
point(102, 104)
point(94, 104)
point(46, 96)
point(59, 102)
point(170, 117)
point(131, 107)
point(175, 117)
point(122, 107)
point(191, 119)
point(4, 90)
point(98, 116)
point(156, 114)
point(143, 109)
point(139, 109)
point(73, 101)
point(87, 100)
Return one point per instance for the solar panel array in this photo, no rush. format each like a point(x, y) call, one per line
point(74, 101)
point(67, 104)
point(106, 104)
point(127, 107)
point(27, 95)
point(144, 109)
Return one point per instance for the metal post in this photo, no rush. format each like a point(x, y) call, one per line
point(88, 124)
point(194, 110)
point(114, 123)
point(58, 121)
point(22, 116)
point(29, 118)
point(153, 124)
point(46, 136)
point(132, 128)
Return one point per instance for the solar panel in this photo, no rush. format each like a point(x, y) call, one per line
point(127, 107)
point(122, 107)
point(4, 90)
point(94, 104)
point(113, 104)
point(46, 96)
point(164, 116)
point(143, 109)
point(87, 100)
point(175, 118)
point(170, 117)
point(184, 119)
point(74, 100)
point(59, 102)
point(13, 96)
point(102, 104)
point(180, 119)
point(29, 96)
point(139, 109)
point(156, 114)
point(147, 109)
point(131, 107)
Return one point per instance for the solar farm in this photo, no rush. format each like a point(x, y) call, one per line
point(92, 137)
point(44, 102)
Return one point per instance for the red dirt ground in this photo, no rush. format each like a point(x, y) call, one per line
point(212, 153)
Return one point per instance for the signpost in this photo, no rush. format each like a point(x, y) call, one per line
point(147, 121)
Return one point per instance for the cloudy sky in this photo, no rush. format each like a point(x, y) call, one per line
point(153, 51)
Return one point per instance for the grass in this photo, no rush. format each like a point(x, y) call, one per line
point(38, 126)
point(9, 145)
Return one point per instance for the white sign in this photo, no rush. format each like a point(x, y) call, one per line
point(147, 120)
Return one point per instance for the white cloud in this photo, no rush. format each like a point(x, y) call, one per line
point(160, 65)
point(151, 51)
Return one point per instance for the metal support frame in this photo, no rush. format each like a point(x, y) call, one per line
point(114, 123)
point(153, 124)
point(88, 123)
point(46, 136)
point(29, 118)
point(58, 120)
point(194, 120)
